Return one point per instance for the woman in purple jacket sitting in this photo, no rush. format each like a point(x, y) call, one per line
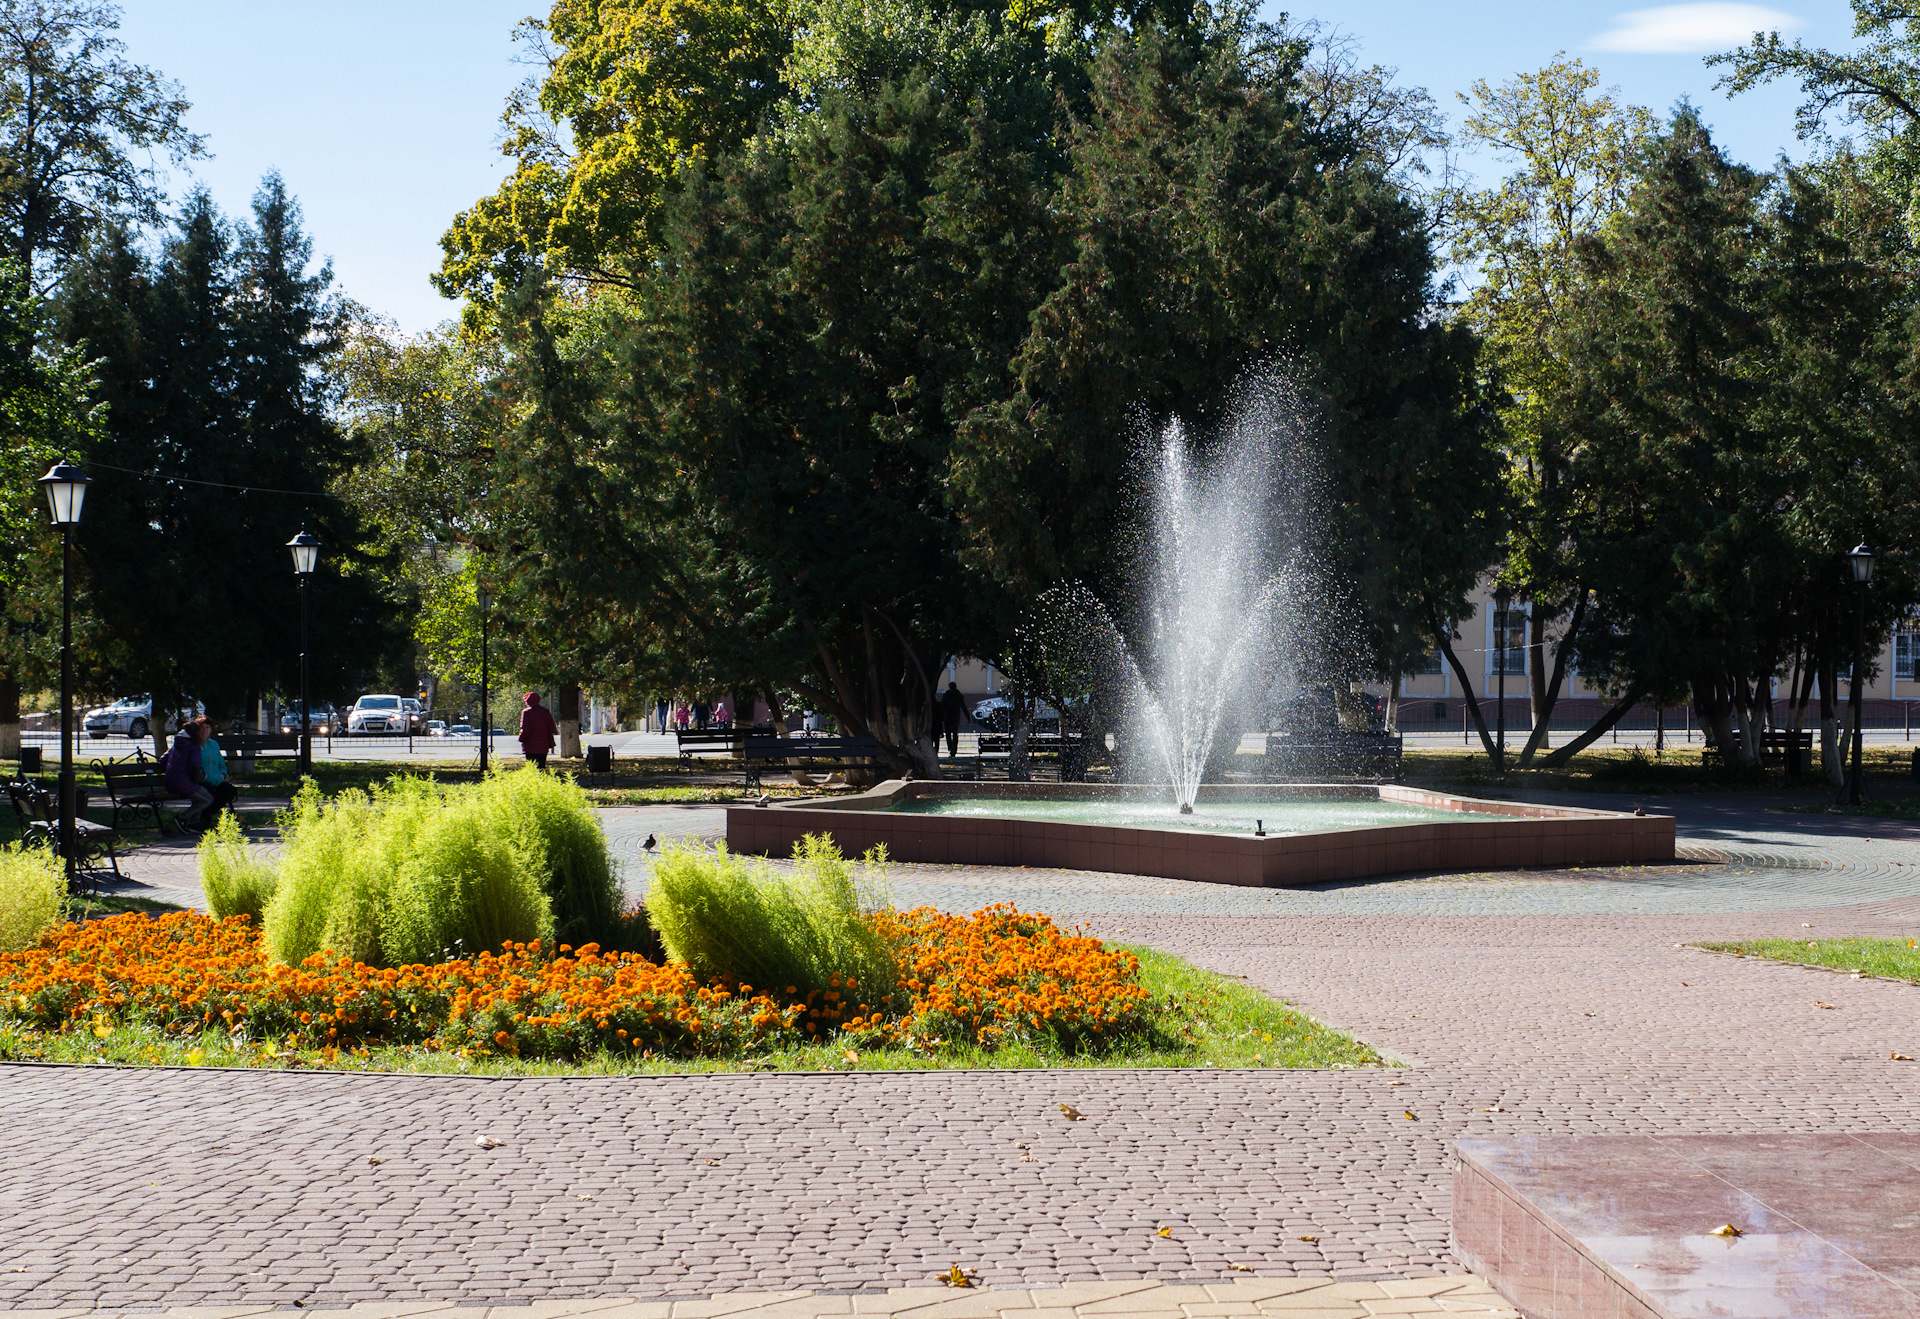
point(183, 773)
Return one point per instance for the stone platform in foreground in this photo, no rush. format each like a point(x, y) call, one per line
point(1633, 1227)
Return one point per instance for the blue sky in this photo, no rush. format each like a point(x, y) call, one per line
point(384, 117)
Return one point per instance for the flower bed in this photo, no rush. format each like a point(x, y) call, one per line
point(996, 977)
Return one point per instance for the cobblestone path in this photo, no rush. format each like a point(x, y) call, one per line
point(191, 1187)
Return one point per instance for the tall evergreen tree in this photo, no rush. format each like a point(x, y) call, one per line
point(216, 449)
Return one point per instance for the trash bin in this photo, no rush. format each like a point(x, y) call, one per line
point(600, 760)
point(32, 760)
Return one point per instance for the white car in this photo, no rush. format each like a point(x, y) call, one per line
point(132, 717)
point(436, 728)
point(378, 714)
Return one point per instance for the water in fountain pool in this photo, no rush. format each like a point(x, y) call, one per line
point(1279, 816)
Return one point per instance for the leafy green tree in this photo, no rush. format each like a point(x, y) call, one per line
point(79, 129)
point(1576, 153)
point(1874, 87)
point(1737, 366)
point(43, 416)
point(216, 431)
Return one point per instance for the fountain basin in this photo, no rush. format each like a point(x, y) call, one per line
point(943, 823)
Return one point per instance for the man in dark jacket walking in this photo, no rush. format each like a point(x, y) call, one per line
point(953, 708)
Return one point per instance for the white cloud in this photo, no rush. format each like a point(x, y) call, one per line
point(1697, 29)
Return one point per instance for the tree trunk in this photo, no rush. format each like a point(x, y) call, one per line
point(1441, 634)
point(9, 719)
point(1545, 701)
point(1830, 758)
point(1612, 716)
point(1714, 704)
point(568, 704)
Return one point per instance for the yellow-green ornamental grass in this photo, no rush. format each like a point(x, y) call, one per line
point(33, 892)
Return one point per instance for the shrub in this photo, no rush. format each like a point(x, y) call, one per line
point(549, 819)
point(407, 872)
point(236, 882)
point(727, 916)
point(33, 892)
point(464, 885)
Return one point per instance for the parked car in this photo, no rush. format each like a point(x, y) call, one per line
point(436, 728)
point(319, 714)
point(416, 713)
point(377, 714)
point(132, 717)
point(995, 713)
point(460, 730)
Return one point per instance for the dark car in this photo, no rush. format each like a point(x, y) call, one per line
point(319, 716)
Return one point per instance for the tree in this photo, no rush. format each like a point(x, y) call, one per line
point(43, 415)
point(1737, 365)
point(1219, 227)
point(74, 115)
point(217, 447)
point(1876, 87)
point(1577, 154)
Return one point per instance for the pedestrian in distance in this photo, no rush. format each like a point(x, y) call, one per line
point(721, 719)
point(661, 709)
point(183, 775)
point(537, 730)
point(681, 716)
point(953, 708)
point(702, 715)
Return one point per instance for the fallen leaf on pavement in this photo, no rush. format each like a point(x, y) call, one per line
point(1071, 1113)
point(1495, 1109)
point(1901, 1057)
point(1241, 1268)
point(1411, 1117)
point(1727, 1230)
point(1309, 1240)
point(1166, 1232)
point(958, 1277)
point(489, 1143)
point(1828, 1006)
point(373, 1158)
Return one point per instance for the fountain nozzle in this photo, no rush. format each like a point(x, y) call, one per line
point(1186, 808)
point(1259, 828)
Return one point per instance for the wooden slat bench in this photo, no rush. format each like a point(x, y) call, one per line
point(764, 751)
point(37, 808)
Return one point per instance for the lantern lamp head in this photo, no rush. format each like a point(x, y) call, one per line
point(66, 487)
point(306, 553)
point(1861, 558)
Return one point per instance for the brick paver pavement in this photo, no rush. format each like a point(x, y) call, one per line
point(193, 1187)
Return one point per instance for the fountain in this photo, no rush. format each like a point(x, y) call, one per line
point(1225, 602)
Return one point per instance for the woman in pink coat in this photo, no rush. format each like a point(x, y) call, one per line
point(537, 730)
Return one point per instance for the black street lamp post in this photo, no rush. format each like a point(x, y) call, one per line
point(1500, 602)
point(66, 487)
point(486, 718)
point(306, 556)
point(1861, 559)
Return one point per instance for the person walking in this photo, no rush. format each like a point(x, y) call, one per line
point(662, 709)
point(721, 719)
point(537, 730)
point(953, 708)
point(681, 715)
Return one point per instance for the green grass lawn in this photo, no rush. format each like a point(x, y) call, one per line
point(1896, 959)
point(1210, 1021)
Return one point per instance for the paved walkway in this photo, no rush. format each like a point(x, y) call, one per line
point(1546, 1004)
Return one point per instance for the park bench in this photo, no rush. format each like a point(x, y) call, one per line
point(254, 746)
point(725, 741)
point(763, 750)
point(37, 809)
point(137, 786)
point(1316, 757)
point(1796, 749)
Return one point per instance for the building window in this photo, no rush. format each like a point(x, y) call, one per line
point(1426, 666)
point(1507, 642)
point(1906, 647)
